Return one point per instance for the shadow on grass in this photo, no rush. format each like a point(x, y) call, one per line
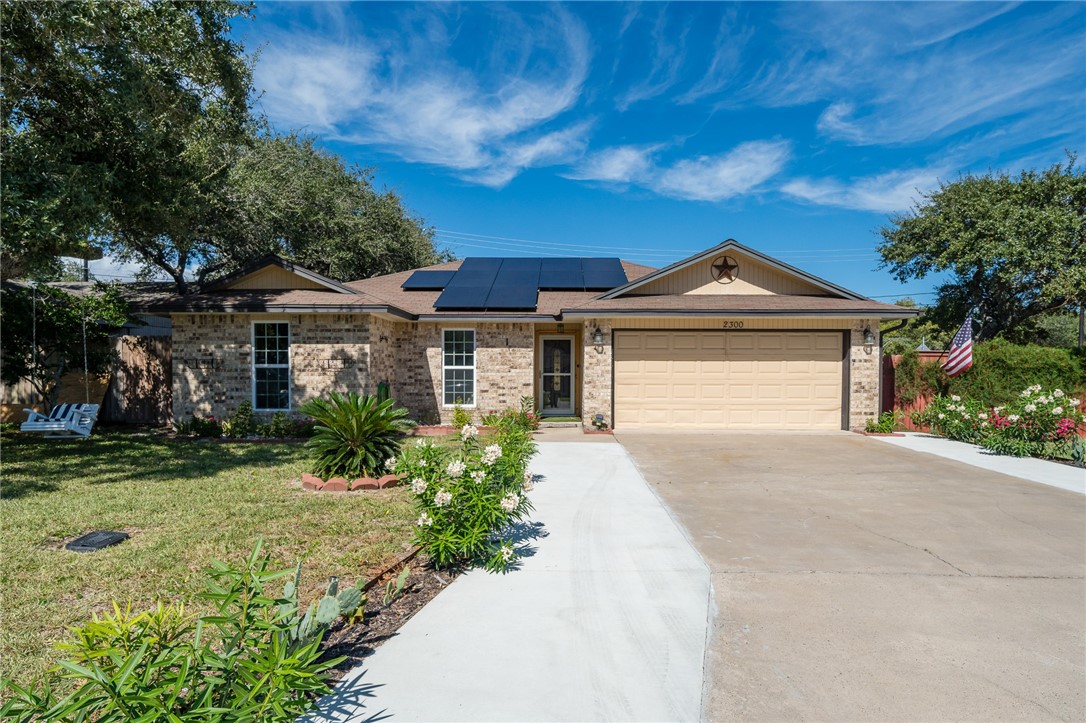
point(35, 465)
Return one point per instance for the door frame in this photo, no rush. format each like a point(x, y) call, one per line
point(572, 339)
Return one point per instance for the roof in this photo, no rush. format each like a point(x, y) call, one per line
point(738, 305)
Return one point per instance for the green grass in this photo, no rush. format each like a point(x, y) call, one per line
point(184, 503)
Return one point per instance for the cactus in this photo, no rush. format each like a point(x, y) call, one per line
point(1078, 452)
point(336, 603)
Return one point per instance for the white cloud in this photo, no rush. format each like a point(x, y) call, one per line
point(414, 101)
point(884, 193)
point(668, 57)
point(715, 178)
point(621, 164)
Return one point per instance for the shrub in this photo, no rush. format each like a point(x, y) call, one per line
point(886, 423)
point(200, 427)
point(240, 424)
point(165, 664)
point(523, 418)
point(468, 498)
point(955, 418)
point(460, 416)
point(1036, 423)
point(283, 426)
point(354, 434)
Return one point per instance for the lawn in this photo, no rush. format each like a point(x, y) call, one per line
point(184, 503)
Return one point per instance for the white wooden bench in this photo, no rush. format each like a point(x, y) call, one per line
point(64, 421)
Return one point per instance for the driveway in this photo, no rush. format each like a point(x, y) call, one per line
point(606, 619)
point(855, 580)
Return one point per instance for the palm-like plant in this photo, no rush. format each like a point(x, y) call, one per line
point(354, 434)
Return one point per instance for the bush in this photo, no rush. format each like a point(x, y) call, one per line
point(523, 418)
point(468, 498)
point(460, 416)
point(885, 424)
point(283, 426)
point(1035, 424)
point(955, 418)
point(200, 427)
point(165, 664)
point(1000, 371)
point(354, 434)
point(240, 424)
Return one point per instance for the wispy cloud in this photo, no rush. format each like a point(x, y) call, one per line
point(884, 193)
point(668, 56)
point(413, 100)
point(723, 68)
point(742, 170)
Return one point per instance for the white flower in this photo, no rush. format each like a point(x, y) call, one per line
point(965, 416)
point(1013, 418)
point(422, 443)
point(942, 416)
point(1031, 407)
point(1058, 393)
point(1057, 410)
point(423, 463)
point(491, 454)
point(510, 502)
point(418, 485)
point(455, 468)
point(1044, 400)
point(981, 415)
point(507, 553)
point(997, 410)
point(528, 476)
point(528, 485)
point(1075, 402)
point(468, 431)
point(478, 476)
point(1025, 393)
point(390, 463)
point(984, 424)
point(442, 498)
point(955, 397)
point(1035, 388)
point(424, 520)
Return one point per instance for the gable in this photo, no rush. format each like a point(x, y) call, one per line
point(752, 277)
point(273, 277)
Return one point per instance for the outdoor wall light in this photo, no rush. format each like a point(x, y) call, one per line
point(597, 337)
point(869, 339)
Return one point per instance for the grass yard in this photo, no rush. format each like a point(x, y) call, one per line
point(184, 503)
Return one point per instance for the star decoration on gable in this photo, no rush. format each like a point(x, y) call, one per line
point(725, 270)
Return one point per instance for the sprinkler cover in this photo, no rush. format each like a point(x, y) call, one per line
point(94, 541)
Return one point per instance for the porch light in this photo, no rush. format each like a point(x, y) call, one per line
point(869, 337)
point(597, 337)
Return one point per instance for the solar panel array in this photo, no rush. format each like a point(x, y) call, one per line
point(514, 283)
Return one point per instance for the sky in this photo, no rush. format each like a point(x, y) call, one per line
point(652, 131)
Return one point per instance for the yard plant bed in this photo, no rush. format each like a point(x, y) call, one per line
point(184, 503)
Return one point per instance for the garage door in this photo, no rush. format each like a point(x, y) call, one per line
point(728, 379)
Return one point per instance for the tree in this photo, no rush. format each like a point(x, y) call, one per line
point(287, 196)
point(917, 331)
point(114, 118)
point(43, 333)
point(1013, 246)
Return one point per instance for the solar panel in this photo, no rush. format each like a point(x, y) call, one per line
point(562, 274)
point(512, 297)
point(462, 297)
point(471, 284)
point(518, 272)
point(428, 280)
point(603, 273)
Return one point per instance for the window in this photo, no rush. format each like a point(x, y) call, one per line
point(459, 366)
point(271, 366)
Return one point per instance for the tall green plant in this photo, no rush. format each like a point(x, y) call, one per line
point(355, 435)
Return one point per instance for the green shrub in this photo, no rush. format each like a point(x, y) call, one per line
point(460, 416)
point(200, 427)
point(240, 424)
point(524, 417)
point(468, 498)
point(1036, 424)
point(954, 418)
point(354, 435)
point(886, 423)
point(283, 426)
point(165, 664)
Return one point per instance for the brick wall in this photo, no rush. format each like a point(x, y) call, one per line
point(864, 371)
point(596, 371)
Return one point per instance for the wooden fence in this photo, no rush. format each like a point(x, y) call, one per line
point(141, 386)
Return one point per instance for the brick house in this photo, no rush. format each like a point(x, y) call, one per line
point(726, 339)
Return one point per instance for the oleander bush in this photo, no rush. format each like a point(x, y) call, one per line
point(523, 417)
point(240, 663)
point(354, 434)
point(470, 496)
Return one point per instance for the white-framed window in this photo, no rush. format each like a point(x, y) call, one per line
point(271, 366)
point(458, 367)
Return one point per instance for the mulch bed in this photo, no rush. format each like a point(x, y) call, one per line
point(357, 642)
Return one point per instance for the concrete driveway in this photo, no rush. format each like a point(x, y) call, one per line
point(855, 580)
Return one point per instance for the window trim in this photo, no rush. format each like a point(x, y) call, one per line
point(474, 368)
point(253, 366)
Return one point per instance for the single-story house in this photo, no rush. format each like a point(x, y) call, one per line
point(726, 339)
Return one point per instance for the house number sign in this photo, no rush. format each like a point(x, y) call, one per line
point(733, 325)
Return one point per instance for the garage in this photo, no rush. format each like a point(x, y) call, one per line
point(725, 379)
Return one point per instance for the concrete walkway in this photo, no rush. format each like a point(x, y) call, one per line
point(606, 619)
point(1054, 474)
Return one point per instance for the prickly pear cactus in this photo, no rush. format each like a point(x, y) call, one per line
point(327, 611)
point(349, 600)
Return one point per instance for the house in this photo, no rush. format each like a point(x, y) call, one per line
point(726, 339)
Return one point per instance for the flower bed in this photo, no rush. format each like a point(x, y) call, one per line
point(1035, 424)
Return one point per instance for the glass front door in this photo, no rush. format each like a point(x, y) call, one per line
point(556, 379)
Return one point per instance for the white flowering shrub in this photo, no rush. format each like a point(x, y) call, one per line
point(469, 496)
point(954, 418)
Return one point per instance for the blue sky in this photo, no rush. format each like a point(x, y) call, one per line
point(651, 131)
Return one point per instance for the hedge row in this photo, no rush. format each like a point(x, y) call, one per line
point(1001, 370)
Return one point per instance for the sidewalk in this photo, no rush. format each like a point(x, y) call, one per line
point(1042, 471)
point(605, 620)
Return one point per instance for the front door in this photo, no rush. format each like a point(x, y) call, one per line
point(556, 383)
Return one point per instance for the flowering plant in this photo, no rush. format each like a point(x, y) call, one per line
point(964, 420)
point(1034, 421)
point(469, 497)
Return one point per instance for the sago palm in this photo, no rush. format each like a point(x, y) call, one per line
point(354, 434)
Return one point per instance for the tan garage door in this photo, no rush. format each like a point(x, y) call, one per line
point(728, 379)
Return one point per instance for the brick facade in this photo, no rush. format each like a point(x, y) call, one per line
point(354, 352)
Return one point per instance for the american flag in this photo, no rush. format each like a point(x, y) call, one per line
point(960, 356)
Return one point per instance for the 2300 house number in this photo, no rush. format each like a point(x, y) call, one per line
point(733, 325)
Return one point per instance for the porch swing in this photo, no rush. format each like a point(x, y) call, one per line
point(64, 421)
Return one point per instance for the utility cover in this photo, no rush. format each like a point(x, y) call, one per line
point(94, 541)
